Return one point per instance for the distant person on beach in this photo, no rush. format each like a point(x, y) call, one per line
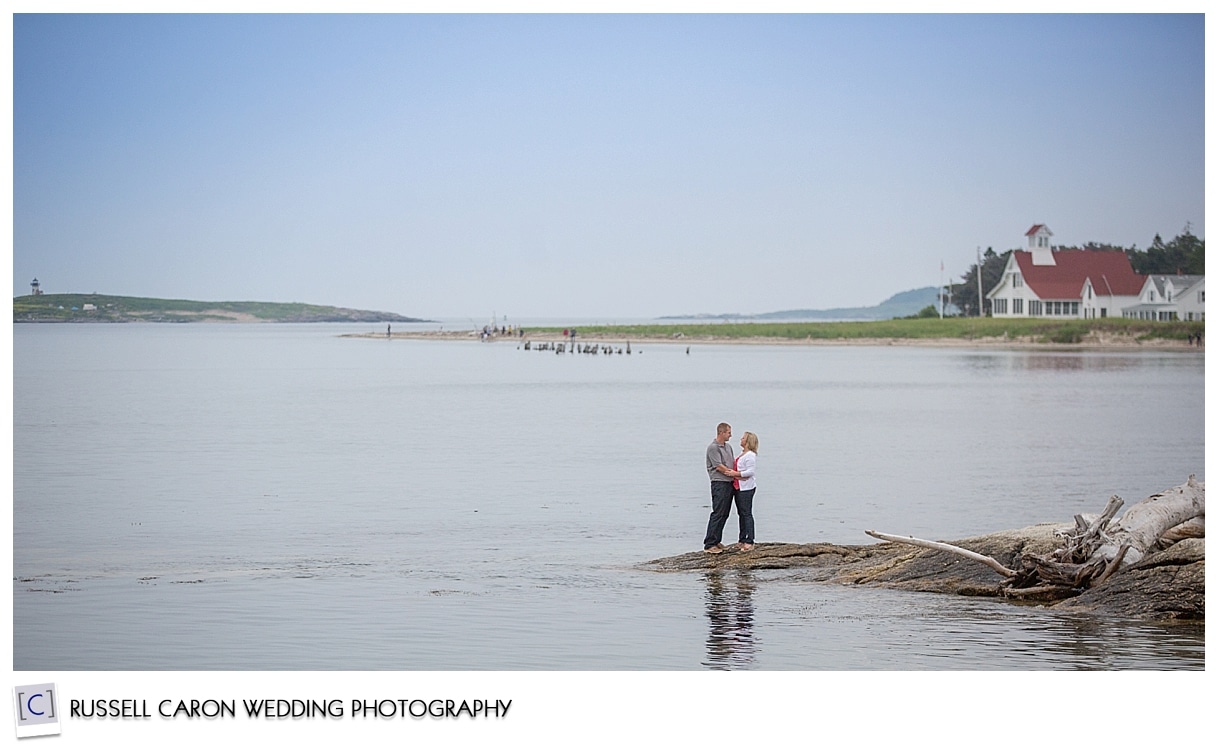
point(719, 462)
point(745, 486)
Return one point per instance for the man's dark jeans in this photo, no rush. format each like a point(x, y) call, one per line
point(721, 507)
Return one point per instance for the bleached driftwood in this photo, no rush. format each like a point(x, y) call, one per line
point(987, 560)
point(1194, 528)
point(1096, 549)
point(1144, 523)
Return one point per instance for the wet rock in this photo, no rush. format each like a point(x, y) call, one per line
point(1166, 586)
point(767, 556)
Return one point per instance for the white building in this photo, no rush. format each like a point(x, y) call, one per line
point(1042, 282)
point(1170, 297)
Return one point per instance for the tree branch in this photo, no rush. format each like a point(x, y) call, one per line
point(936, 546)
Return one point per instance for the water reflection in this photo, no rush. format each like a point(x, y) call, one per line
point(953, 633)
point(1089, 643)
point(730, 642)
point(991, 362)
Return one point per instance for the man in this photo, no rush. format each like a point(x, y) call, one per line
point(719, 462)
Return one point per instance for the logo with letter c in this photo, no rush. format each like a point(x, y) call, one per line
point(35, 709)
point(29, 705)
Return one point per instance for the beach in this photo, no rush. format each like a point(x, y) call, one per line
point(1093, 341)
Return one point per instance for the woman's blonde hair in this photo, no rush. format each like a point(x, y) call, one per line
point(750, 441)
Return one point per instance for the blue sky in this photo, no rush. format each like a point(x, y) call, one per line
point(588, 166)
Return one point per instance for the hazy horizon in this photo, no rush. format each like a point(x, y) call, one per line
point(690, 314)
point(588, 165)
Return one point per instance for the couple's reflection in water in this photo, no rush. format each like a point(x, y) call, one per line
point(730, 643)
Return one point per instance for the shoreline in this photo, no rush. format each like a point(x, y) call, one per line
point(1107, 342)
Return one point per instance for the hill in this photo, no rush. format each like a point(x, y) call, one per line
point(93, 308)
point(902, 304)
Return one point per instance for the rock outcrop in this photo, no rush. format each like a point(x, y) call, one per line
point(1166, 586)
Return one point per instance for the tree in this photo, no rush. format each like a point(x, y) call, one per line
point(1093, 246)
point(965, 295)
point(1184, 254)
point(929, 311)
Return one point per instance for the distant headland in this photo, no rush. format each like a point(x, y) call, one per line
point(94, 308)
point(900, 305)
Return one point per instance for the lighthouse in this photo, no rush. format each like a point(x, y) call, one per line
point(35, 288)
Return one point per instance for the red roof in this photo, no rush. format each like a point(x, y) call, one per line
point(1110, 273)
point(1032, 230)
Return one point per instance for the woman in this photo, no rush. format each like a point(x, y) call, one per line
point(746, 472)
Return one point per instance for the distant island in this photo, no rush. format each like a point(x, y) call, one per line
point(94, 308)
point(902, 304)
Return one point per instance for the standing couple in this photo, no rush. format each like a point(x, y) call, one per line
point(731, 478)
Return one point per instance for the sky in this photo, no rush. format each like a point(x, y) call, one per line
point(588, 166)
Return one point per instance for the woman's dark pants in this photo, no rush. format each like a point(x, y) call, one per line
point(744, 510)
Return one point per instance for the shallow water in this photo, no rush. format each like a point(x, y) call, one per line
point(278, 497)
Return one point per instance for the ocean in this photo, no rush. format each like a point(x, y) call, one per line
point(282, 497)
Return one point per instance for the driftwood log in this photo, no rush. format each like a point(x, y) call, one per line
point(1094, 549)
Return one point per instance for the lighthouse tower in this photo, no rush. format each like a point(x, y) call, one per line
point(35, 288)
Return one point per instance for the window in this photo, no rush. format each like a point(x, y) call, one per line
point(1061, 308)
point(1000, 306)
point(1034, 307)
point(1017, 305)
point(1017, 280)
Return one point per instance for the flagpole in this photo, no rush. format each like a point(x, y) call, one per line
point(980, 299)
point(940, 289)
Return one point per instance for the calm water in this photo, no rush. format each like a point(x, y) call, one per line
point(277, 497)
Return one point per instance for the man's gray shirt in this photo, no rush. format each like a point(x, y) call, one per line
point(717, 454)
